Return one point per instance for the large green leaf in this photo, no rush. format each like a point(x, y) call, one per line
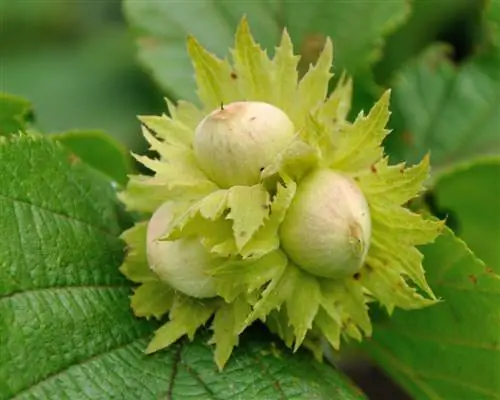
point(66, 328)
point(431, 21)
point(493, 16)
point(14, 113)
point(450, 350)
point(451, 111)
point(100, 151)
point(356, 27)
point(472, 193)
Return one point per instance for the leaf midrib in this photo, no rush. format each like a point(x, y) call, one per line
point(59, 214)
point(79, 363)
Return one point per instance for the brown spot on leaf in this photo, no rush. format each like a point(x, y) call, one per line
point(233, 75)
point(408, 138)
point(373, 168)
point(473, 279)
point(489, 270)
point(149, 42)
point(357, 276)
point(73, 159)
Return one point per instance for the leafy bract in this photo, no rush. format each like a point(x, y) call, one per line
point(241, 225)
point(66, 328)
point(449, 350)
point(164, 25)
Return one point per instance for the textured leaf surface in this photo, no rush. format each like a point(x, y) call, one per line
point(427, 23)
point(100, 151)
point(453, 112)
point(472, 194)
point(450, 350)
point(163, 26)
point(14, 111)
point(66, 328)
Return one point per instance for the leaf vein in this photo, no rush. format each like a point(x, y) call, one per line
point(176, 359)
point(440, 340)
point(197, 377)
point(54, 288)
point(57, 213)
point(275, 382)
point(80, 363)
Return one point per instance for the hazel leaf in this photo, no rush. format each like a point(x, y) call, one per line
point(452, 111)
point(476, 209)
point(459, 331)
point(15, 112)
point(60, 288)
point(100, 151)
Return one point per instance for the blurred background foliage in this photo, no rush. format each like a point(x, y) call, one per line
point(75, 61)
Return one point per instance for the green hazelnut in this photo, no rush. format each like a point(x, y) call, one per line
point(327, 228)
point(181, 263)
point(234, 143)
